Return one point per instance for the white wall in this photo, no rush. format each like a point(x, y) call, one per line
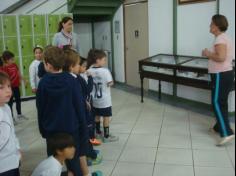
point(160, 34)
point(119, 56)
point(84, 30)
point(193, 27)
point(227, 8)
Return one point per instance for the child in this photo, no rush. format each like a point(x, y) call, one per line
point(12, 70)
point(101, 92)
point(62, 146)
point(33, 69)
point(9, 146)
point(72, 66)
point(86, 82)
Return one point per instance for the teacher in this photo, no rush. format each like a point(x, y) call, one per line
point(65, 36)
point(221, 69)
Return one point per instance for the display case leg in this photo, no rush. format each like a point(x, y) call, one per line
point(159, 92)
point(142, 91)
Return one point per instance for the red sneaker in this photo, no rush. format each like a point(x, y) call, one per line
point(95, 142)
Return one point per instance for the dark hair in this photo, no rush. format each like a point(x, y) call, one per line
point(67, 47)
point(54, 56)
point(221, 22)
point(63, 21)
point(7, 55)
point(38, 47)
point(60, 141)
point(4, 78)
point(82, 61)
point(71, 59)
point(94, 55)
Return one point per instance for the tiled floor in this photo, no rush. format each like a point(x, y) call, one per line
point(155, 140)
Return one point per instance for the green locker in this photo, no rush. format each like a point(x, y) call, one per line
point(1, 26)
point(40, 40)
point(25, 25)
point(26, 46)
point(53, 21)
point(1, 45)
point(11, 44)
point(28, 90)
point(26, 61)
point(9, 25)
point(39, 25)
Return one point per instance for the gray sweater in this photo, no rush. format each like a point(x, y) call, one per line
point(59, 39)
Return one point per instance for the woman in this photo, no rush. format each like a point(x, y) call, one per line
point(65, 37)
point(222, 74)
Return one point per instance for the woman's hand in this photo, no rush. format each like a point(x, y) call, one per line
point(206, 53)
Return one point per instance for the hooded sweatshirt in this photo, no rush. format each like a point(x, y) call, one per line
point(60, 104)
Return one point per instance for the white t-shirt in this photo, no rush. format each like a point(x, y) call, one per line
point(33, 73)
point(101, 91)
point(9, 144)
point(49, 167)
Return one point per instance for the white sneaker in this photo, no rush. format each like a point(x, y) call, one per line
point(226, 140)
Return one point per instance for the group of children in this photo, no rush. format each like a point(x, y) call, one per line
point(72, 94)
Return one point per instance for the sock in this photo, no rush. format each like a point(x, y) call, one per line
point(98, 128)
point(106, 132)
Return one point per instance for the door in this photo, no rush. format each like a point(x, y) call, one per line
point(136, 40)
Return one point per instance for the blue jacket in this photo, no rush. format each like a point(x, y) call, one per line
point(87, 87)
point(60, 105)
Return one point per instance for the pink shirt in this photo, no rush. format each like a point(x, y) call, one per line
point(218, 67)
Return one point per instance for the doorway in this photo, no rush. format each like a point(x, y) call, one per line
point(136, 39)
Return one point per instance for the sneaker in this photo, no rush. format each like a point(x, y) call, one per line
point(97, 173)
point(95, 142)
point(99, 136)
point(111, 138)
point(97, 161)
point(226, 140)
point(22, 117)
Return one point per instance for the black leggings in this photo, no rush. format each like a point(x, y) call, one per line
point(16, 95)
point(222, 85)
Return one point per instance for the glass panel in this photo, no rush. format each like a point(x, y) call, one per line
point(166, 59)
point(198, 63)
point(158, 70)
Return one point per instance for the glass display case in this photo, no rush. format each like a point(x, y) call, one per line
point(185, 70)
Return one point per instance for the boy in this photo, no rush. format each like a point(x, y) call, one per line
point(59, 104)
point(72, 66)
point(101, 93)
point(33, 69)
point(13, 71)
point(62, 146)
point(10, 154)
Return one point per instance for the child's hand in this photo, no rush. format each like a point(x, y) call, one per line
point(34, 91)
point(88, 106)
point(21, 155)
point(110, 84)
point(70, 174)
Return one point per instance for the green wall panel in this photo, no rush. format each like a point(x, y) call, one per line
point(11, 44)
point(1, 45)
point(28, 90)
point(9, 25)
point(53, 21)
point(26, 61)
point(25, 25)
point(39, 24)
point(0, 26)
point(26, 46)
point(40, 40)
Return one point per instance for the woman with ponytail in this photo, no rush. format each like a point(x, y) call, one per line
point(65, 36)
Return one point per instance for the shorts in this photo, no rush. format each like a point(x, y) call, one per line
point(103, 112)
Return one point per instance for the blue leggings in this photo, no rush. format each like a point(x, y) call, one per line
point(222, 85)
